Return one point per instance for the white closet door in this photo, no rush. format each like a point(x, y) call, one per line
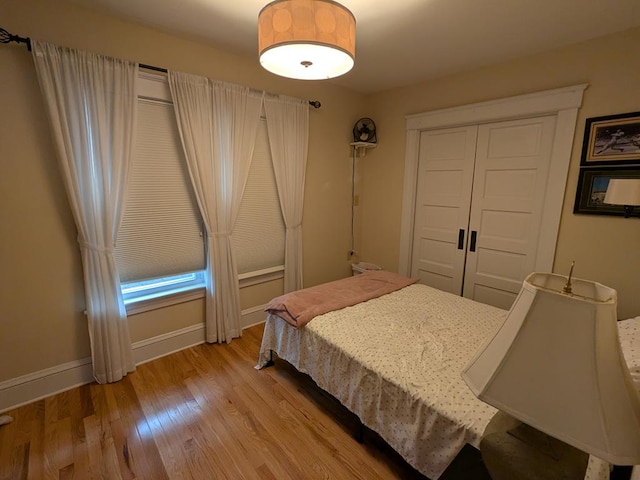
point(445, 177)
point(511, 172)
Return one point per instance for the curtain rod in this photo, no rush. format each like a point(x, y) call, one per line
point(6, 37)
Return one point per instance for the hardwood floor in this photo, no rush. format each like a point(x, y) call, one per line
point(202, 413)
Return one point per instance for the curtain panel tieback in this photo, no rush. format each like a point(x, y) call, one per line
point(94, 248)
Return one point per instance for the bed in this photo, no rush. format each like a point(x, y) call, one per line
point(402, 354)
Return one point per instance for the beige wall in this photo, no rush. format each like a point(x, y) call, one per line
point(606, 249)
point(41, 292)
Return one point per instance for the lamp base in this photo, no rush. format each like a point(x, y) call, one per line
point(628, 211)
point(512, 450)
point(521, 452)
point(621, 472)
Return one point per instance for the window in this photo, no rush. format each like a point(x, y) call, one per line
point(259, 233)
point(160, 249)
point(149, 289)
point(160, 245)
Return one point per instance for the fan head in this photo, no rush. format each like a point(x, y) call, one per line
point(365, 131)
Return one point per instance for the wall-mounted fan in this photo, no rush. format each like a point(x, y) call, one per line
point(364, 131)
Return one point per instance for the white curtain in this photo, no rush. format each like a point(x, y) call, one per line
point(91, 103)
point(288, 127)
point(218, 124)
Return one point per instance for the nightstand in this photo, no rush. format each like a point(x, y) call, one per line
point(512, 450)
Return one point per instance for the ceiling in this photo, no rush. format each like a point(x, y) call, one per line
point(402, 42)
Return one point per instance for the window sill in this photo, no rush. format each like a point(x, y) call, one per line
point(165, 299)
point(260, 276)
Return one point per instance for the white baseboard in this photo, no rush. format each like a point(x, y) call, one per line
point(156, 347)
point(253, 316)
point(38, 385)
point(35, 386)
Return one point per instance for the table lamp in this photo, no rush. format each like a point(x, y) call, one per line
point(556, 364)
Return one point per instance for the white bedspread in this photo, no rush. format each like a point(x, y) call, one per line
point(395, 362)
point(402, 353)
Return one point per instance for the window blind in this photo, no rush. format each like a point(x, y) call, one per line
point(161, 230)
point(259, 233)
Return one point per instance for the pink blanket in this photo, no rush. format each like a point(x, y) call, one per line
point(299, 307)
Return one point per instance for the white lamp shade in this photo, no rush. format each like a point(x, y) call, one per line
point(306, 39)
point(556, 364)
point(623, 191)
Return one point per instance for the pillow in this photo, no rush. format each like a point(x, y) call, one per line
point(630, 341)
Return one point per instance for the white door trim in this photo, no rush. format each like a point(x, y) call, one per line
point(563, 102)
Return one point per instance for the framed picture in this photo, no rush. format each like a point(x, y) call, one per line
point(592, 187)
point(612, 140)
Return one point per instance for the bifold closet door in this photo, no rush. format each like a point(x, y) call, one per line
point(445, 177)
point(511, 173)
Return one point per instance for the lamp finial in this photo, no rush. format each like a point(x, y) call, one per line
point(567, 288)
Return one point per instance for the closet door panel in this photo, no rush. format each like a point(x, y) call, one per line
point(511, 169)
point(445, 177)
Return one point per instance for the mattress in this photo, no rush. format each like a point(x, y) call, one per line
point(630, 342)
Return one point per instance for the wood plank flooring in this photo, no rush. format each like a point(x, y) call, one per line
point(202, 413)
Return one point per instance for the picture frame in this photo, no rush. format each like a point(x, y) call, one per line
point(592, 186)
point(611, 140)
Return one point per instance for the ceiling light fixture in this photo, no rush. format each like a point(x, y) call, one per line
point(306, 39)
